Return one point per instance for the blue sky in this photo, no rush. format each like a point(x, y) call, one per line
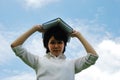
point(97, 20)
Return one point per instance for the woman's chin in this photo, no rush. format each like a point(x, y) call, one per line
point(56, 53)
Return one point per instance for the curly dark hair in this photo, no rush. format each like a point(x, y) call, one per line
point(58, 33)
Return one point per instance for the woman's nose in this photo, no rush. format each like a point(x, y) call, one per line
point(56, 45)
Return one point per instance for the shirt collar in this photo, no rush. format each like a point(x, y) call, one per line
point(61, 56)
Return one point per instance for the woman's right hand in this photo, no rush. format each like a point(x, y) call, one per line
point(39, 28)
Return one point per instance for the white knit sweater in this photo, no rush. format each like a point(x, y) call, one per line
point(50, 67)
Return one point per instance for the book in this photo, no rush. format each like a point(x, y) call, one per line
point(57, 22)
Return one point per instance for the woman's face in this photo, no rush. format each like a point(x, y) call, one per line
point(55, 46)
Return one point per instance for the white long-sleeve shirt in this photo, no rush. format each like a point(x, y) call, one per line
point(50, 67)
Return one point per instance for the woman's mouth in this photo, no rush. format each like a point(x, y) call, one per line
point(56, 50)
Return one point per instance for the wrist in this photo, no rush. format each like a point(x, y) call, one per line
point(36, 27)
point(77, 34)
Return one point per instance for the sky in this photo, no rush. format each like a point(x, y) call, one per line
point(97, 20)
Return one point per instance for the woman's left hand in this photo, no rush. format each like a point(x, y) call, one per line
point(74, 33)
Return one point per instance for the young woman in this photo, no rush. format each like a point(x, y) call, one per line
point(54, 65)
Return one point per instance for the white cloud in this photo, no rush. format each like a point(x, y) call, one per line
point(109, 51)
point(35, 45)
point(5, 51)
point(37, 3)
point(92, 73)
point(21, 76)
point(95, 73)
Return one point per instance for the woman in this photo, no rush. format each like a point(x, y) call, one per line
point(54, 65)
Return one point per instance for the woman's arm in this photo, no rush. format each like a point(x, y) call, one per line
point(85, 43)
point(20, 40)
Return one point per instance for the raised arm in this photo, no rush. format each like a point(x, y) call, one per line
point(88, 60)
point(20, 40)
point(85, 43)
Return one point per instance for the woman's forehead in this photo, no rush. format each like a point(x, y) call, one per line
point(53, 39)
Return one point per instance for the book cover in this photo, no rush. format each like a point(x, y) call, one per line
point(57, 22)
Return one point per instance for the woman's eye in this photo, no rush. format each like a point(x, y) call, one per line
point(60, 42)
point(52, 42)
point(56, 42)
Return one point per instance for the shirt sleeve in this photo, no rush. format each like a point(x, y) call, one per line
point(85, 62)
point(26, 56)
